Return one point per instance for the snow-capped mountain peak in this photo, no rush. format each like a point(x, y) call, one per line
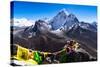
point(40, 26)
point(63, 18)
point(64, 11)
point(59, 20)
point(70, 22)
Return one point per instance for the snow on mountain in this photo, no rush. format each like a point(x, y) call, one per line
point(63, 20)
point(40, 27)
point(59, 19)
point(70, 21)
point(88, 26)
point(23, 22)
point(58, 32)
point(94, 24)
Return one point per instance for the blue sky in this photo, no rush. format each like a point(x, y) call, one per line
point(35, 11)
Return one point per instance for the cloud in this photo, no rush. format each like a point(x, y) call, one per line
point(22, 22)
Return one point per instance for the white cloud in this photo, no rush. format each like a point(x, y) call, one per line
point(23, 22)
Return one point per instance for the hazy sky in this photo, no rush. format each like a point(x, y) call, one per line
point(34, 11)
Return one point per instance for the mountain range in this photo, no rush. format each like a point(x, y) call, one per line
point(51, 36)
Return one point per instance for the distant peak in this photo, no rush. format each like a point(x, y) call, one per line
point(94, 22)
point(64, 11)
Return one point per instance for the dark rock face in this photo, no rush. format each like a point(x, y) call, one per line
point(42, 42)
point(87, 39)
point(39, 39)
